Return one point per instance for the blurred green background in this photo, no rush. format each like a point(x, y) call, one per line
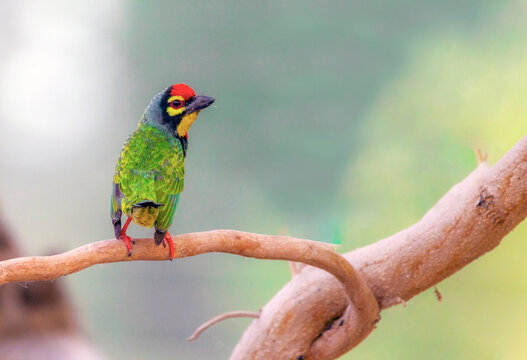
point(338, 121)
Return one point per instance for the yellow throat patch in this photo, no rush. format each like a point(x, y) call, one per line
point(186, 123)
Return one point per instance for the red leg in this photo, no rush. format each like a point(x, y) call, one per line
point(168, 239)
point(128, 241)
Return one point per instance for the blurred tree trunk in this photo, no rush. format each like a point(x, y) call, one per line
point(37, 321)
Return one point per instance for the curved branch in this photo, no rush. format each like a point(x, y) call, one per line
point(311, 316)
point(228, 241)
point(318, 254)
point(216, 319)
point(470, 220)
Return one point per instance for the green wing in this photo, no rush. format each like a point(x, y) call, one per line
point(166, 213)
point(151, 168)
point(168, 187)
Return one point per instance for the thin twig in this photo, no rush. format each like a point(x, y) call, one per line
point(481, 156)
point(292, 267)
point(221, 317)
point(438, 294)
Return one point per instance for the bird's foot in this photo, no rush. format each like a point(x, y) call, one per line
point(128, 241)
point(168, 239)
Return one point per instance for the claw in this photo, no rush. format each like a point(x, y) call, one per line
point(168, 239)
point(128, 241)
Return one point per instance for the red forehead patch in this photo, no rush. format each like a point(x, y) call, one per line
point(182, 90)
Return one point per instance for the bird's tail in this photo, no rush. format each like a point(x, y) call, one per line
point(145, 212)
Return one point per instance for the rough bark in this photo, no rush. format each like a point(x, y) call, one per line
point(312, 317)
point(303, 318)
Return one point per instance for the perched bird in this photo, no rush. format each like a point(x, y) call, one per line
point(151, 168)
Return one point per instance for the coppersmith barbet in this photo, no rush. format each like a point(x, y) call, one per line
point(151, 168)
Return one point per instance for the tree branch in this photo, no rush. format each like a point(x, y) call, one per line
point(311, 317)
point(229, 241)
point(216, 319)
point(470, 220)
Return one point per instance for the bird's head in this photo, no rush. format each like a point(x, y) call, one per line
point(175, 109)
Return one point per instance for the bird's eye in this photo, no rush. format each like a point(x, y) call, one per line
point(176, 104)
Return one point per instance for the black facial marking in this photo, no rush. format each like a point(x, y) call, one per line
point(172, 122)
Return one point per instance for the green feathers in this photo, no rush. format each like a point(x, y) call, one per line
point(149, 177)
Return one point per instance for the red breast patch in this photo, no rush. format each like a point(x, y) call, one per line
point(182, 90)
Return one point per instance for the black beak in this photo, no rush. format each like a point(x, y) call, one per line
point(198, 103)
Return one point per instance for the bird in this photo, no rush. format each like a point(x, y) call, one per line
point(150, 170)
